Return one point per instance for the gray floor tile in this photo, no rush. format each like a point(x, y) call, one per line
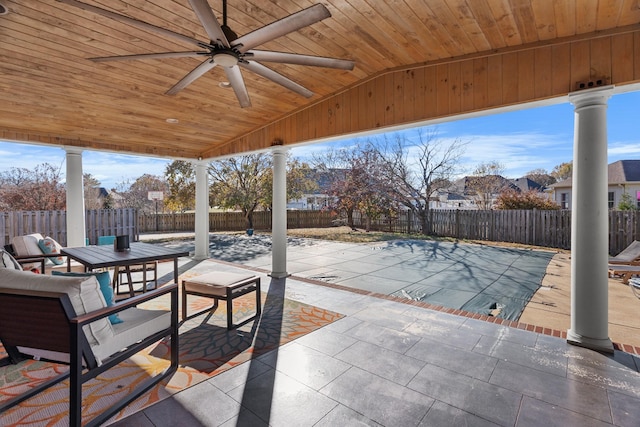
point(306, 365)
point(388, 318)
point(326, 341)
point(383, 337)
point(230, 379)
point(464, 339)
point(556, 390)
point(433, 316)
point(454, 359)
point(540, 359)
point(245, 418)
point(385, 363)
point(624, 409)
point(459, 371)
point(442, 414)
point(535, 413)
point(379, 399)
point(139, 419)
point(278, 399)
point(345, 417)
point(343, 325)
point(600, 370)
point(485, 400)
point(202, 404)
point(506, 333)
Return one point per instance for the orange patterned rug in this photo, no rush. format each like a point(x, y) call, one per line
point(206, 349)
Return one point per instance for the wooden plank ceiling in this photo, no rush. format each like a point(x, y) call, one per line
point(50, 92)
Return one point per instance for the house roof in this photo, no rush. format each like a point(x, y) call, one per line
point(416, 62)
point(525, 184)
point(620, 172)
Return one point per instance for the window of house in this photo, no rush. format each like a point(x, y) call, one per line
point(611, 200)
point(564, 200)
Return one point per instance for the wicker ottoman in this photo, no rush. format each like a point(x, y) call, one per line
point(222, 286)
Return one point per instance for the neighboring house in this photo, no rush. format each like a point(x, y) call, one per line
point(116, 199)
point(450, 200)
point(624, 177)
point(320, 198)
point(463, 194)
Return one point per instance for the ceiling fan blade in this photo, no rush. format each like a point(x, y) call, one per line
point(237, 83)
point(133, 22)
point(192, 76)
point(208, 20)
point(283, 26)
point(148, 56)
point(276, 78)
point(294, 58)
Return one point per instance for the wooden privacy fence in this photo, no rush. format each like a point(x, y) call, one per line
point(550, 229)
point(230, 221)
point(98, 222)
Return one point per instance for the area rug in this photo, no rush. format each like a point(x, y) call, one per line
point(206, 349)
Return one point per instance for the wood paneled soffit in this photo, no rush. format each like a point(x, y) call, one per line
point(447, 88)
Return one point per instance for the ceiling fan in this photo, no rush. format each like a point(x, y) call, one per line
point(228, 50)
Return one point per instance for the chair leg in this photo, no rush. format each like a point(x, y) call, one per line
point(258, 299)
point(184, 302)
point(229, 312)
point(144, 277)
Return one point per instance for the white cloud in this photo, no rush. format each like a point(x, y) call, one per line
point(623, 150)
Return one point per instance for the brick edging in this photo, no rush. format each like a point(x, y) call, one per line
point(627, 348)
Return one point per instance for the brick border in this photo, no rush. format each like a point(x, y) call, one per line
point(627, 348)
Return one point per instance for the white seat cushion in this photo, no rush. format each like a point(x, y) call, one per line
point(27, 245)
point(216, 283)
point(136, 325)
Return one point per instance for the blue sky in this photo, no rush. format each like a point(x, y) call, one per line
point(520, 140)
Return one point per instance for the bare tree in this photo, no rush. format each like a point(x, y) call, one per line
point(356, 182)
point(240, 183)
point(486, 183)
point(540, 176)
point(135, 195)
point(92, 198)
point(416, 170)
point(39, 188)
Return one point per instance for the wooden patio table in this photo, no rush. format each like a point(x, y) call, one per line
point(94, 257)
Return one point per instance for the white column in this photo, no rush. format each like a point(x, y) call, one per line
point(202, 211)
point(589, 222)
point(279, 214)
point(76, 230)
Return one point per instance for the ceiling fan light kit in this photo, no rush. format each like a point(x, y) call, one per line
point(225, 59)
point(228, 50)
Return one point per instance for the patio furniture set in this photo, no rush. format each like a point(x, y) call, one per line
point(73, 318)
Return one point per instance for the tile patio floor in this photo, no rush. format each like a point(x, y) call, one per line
point(388, 363)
